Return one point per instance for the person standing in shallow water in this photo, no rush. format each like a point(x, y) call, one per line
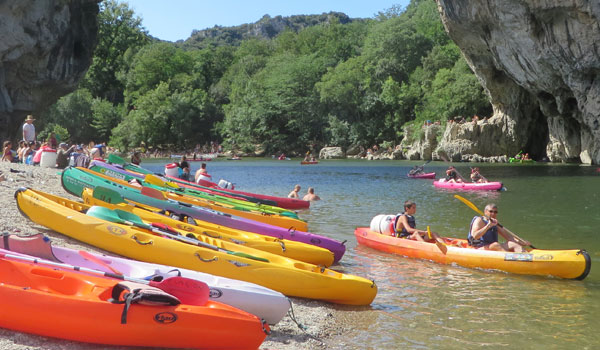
point(295, 192)
point(311, 196)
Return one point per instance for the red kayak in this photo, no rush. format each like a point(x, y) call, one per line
point(282, 202)
point(422, 176)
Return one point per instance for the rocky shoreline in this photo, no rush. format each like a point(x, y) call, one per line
point(321, 321)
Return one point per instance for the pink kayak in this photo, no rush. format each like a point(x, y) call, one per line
point(485, 186)
point(422, 176)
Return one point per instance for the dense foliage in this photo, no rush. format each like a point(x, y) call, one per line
point(325, 80)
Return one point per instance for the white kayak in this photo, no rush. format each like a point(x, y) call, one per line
point(263, 302)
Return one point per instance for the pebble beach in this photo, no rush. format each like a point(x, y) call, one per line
point(321, 322)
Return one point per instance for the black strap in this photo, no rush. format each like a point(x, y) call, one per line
point(5, 240)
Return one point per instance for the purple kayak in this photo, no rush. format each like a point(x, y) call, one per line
point(176, 208)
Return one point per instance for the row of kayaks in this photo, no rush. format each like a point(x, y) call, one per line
point(240, 269)
point(442, 183)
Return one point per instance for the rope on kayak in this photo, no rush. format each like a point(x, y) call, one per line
point(302, 327)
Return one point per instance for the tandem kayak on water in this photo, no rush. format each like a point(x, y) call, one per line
point(571, 263)
point(422, 176)
point(479, 186)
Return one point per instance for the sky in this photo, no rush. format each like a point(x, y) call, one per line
point(174, 20)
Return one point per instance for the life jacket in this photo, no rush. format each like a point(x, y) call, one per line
point(489, 237)
point(452, 175)
point(412, 222)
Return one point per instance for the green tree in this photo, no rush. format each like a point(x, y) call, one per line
point(118, 30)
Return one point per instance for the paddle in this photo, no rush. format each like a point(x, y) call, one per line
point(155, 180)
point(188, 291)
point(439, 244)
point(123, 217)
point(98, 261)
point(472, 206)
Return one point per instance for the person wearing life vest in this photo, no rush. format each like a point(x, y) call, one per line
point(484, 230)
point(476, 176)
point(405, 225)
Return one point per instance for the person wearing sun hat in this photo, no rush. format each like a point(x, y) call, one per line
point(29, 129)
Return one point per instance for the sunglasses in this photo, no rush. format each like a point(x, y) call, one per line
point(493, 211)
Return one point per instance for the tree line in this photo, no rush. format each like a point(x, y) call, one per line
point(360, 82)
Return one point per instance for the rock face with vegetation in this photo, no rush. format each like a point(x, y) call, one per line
point(539, 62)
point(45, 48)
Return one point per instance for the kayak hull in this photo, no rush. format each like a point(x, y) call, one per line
point(71, 305)
point(486, 186)
point(422, 176)
point(570, 264)
point(265, 303)
point(290, 277)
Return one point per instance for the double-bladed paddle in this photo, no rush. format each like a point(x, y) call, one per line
point(472, 206)
point(188, 291)
point(123, 217)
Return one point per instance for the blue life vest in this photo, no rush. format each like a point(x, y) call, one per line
point(412, 222)
point(489, 237)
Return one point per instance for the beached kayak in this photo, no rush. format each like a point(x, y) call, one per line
point(272, 219)
point(263, 302)
point(290, 277)
point(114, 172)
point(75, 180)
point(572, 263)
point(283, 202)
point(290, 249)
point(485, 186)
point(422, 176)
point(72, 305)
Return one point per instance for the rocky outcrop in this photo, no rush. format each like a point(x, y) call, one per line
point(45, 49)
point(418, 145)
point(539, 62)
point(331, 153)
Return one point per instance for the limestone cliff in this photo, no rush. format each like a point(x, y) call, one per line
point(539, 62)
point(45, 49)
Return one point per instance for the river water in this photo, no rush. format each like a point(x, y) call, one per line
point(424, 305)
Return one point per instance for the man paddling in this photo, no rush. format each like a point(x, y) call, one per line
point(484, 230)
point(405, 225)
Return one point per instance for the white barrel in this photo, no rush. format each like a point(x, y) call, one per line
point(382, 224)
point(205, 177)
point(48, 159)
point(226, 184)
point(172, 169)
point(72, 161)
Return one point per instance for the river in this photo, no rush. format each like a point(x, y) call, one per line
point(424, 305)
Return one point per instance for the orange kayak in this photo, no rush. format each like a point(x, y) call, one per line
point(75, 306)
point(569, 263)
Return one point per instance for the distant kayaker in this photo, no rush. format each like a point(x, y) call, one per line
point(406, 225)
point(311, 196)
point(452, 175)
point(476, 176)
point(483, 233)
point(295, 192)
point(417, 169)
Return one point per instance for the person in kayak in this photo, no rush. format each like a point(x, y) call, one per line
point(484, 230)
point(452, 175)
point(294, 193)
point(476, 177)
point(416, 170)
point(184, 166)
point(405, 225)
point(311, 196)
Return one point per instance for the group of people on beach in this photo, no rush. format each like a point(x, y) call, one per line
point(483, 230)
point(30, 149)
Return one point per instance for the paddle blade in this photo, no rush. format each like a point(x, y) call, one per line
point(188, 291)
point(104, 214)
point(107, 195)
point(151, 192)
point(115, 159)
point(439, 244)
point(469, 204)
point(165, 227)
point(155, 180)
point(131, 217)
point(98, 261)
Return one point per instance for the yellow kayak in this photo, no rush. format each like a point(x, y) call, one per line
point(271, 219)
point(289, 249)
point(568, 263)
point(290, 277)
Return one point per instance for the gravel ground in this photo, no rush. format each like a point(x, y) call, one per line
point(321, 321)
